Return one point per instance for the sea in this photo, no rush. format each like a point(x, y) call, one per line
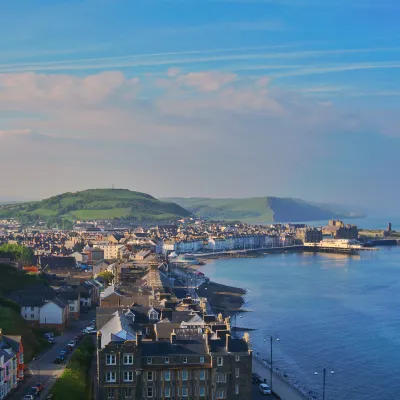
point(339, 312)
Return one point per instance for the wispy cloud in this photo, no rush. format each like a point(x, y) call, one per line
point(158, 59)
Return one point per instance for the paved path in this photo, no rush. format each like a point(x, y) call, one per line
point(280, 387)
point(42, 369)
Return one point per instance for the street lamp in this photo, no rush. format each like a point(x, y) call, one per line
point(324, 379)
point(271, 341)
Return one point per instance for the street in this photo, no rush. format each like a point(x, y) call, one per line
point(257, 395)
point(42, 367)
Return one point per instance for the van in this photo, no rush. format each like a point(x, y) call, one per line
point(264, 388)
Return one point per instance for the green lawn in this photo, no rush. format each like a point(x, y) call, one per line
point(101, 214)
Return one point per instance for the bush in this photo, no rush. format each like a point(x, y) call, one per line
point(8, 303)
point(75, 382)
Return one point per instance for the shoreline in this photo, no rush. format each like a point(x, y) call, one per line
point(229, 301)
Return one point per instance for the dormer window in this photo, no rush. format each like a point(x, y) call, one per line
point(153, 315)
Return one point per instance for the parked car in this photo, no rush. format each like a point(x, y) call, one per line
point(264, 388)
point(29, 397)
point(39, 387)
point(33, 391)
point(71, 344)
point(51, 340)
point(49, 335)
point(255, 378)
point(59, 360)
point(84, 310)
point(63, 353)
point(93, 333)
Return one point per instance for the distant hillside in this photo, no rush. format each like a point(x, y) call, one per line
point(96, 204)
point(263, 209)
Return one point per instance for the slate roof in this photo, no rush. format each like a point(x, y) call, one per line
point(236, 345)
point(13, 341)
point(118, 328)
point(184, 347)
point(164, 329)
point(57, 262)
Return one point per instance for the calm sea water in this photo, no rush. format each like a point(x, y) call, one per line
point(335, 311)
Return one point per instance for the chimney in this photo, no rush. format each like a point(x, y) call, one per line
point(138, 339)
point(208, 337)
point(173, 337)
point(99, 335)
point(228, 342)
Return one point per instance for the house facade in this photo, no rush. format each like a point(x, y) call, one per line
point(54, 314)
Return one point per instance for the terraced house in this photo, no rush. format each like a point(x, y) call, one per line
point(193, 364)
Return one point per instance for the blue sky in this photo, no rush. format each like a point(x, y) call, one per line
point(211, 98)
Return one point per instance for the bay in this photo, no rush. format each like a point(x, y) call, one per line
point(328, 310)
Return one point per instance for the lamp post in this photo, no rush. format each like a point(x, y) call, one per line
point(324, 379)
point(271, 341)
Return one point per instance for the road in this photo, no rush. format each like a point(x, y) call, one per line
point(280, 386)
point(42, 368)
point(257, 395)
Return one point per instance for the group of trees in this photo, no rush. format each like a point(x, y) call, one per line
point(16, 252)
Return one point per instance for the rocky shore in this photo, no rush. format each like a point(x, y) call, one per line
point(224, 299)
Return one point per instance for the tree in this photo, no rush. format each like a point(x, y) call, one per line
point(108, 276)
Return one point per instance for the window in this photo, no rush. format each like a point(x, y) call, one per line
point(128, 393)
point(237, 389)
point(220, 394)
point(32, 316)
point(220, 361)
point(167, 392)
point(111, 377)
point(202, 391)
point(111, 359)
point(167, 375)
point(128, 376)
point(128, 359)
point(110, 393)
point(166, 360)
point(149, 376)
point(184, 360)
point(185, 392)
point(149, 360)
point(221, 378)
point(202, 374)
point(202, 360)
point(237, 372)
point(184, 375)
point(237, 358)
point(32, 308)
point(71, 308)
point(149, 392)
point(147, 330)
point(153, 316)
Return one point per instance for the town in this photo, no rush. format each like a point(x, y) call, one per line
point(130, 303)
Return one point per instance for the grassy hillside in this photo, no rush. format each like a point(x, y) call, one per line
point(261, 209)
point(95, 204)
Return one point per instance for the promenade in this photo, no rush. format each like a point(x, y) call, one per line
point(281, 387)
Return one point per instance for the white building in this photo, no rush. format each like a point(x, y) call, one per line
point(112, 251)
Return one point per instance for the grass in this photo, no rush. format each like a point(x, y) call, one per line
point(75, 382)
point(101, 214)
point(96, 204)
point(260, 209)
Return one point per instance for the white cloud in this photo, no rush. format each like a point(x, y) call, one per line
point(206, 81)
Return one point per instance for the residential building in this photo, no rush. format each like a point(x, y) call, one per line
point(191, 364)
point(54, 314)
point(112, 251)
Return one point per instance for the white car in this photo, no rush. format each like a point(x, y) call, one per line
point(264, 388)
point(71, 343)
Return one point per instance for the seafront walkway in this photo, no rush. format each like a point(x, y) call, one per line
point(279, 385)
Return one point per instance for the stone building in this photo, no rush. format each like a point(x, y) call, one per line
point(193, 364)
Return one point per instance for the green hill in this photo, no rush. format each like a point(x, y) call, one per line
point(95, 204)
point(263, 209)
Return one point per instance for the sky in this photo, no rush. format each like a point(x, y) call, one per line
point(210, 98)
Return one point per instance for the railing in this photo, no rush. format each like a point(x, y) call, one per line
point(304, 393)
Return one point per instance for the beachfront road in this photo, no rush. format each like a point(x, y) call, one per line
point(257, 395)
point(42, 369)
